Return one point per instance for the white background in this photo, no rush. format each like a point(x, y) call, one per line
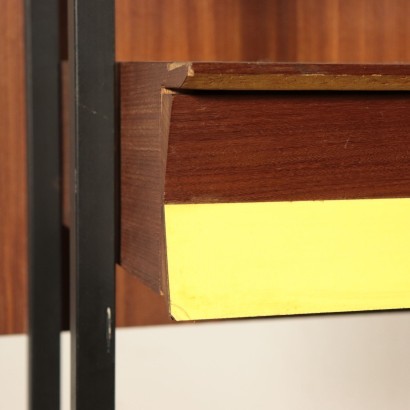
point(349, 362)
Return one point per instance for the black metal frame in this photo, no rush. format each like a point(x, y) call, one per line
point(92, 236)
point(43, 128)
point(92, 228)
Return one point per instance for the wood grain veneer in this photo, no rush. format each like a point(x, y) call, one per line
point(239, 147)
point(13, 218)
point(355, 31)
point(143, 155)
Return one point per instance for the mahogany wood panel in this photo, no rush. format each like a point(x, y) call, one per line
point(13, 219)
point(240, 147)
point(356, 31)
point(143, 156)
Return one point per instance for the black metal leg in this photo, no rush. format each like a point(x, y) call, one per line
point(42, 71)
point(92, 237)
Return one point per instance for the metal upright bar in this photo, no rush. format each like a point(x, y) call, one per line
point(92, 235)
point(44, 238)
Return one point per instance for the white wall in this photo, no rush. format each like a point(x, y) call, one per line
point(349, 362)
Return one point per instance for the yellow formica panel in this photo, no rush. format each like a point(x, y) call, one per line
point(282, 258)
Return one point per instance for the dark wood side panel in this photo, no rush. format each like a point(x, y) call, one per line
point(144, 135)
point(239, 147)
point(13, 197)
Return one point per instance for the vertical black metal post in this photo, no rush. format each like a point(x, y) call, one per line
point(92, 236)
point(42, 73)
